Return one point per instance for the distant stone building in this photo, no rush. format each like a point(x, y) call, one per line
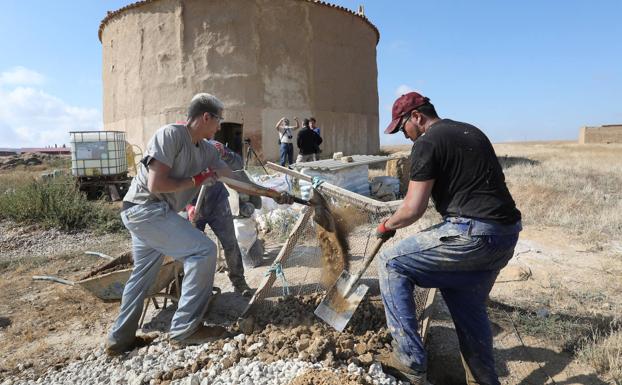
point(610, 133)
point(263, 58)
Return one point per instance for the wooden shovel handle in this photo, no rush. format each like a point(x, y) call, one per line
point(368, 258)
point(259, 190)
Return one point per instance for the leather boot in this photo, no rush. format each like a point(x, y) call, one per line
point(393, 366)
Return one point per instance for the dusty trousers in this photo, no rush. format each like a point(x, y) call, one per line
point(157, 231)
point(463, 264)
point(219, 218)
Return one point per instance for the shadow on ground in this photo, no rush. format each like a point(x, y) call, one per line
point(511, 161)
point(516, 363)
point(4, 322)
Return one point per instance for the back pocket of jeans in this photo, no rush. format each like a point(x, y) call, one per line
point(457, 240)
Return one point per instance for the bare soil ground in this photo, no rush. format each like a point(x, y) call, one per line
point(563, 285)
point(47, 324)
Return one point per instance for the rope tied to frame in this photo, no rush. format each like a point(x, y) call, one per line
point(316, 181)
point(277, 269)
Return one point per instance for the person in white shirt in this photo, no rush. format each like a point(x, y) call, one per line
point(286, 140)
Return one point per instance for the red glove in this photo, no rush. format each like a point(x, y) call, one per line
point(205, 177)
point(382, 232)
point(190, 211)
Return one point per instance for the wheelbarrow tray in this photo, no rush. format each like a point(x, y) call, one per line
point(108, 286)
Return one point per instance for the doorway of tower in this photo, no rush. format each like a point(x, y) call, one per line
point(231, 134)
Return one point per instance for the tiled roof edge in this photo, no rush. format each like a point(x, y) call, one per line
point(112, 14)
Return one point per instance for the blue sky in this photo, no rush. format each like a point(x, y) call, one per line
point(520, 70)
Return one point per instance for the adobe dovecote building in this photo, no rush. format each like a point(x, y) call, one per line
point(263, 58)
point(610, 133)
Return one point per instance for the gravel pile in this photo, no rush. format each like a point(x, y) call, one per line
point(19, 241)
point(286, 343)
point(162, 363)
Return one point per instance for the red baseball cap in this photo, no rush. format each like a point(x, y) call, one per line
point(403, 105)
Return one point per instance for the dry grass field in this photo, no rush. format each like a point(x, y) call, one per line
point(571, 186)
point(571, 197)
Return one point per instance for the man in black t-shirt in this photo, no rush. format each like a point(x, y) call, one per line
point(308, 142)
point(455, 164)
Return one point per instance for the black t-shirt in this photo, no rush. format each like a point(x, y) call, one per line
point(469, 181)
point(308, 141)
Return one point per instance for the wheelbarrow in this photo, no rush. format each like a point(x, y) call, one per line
point(108, 281)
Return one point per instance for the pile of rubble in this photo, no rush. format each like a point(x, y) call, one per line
point(287, 346)
point(10, 162)
point(28, 159)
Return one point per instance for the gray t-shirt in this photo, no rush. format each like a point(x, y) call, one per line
point(172, 145)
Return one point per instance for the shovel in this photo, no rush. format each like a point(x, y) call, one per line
point(257, 189)
point(322, 215)
point(343, 297)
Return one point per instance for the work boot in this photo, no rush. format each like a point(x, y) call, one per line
point(393, 366)
point(243, 288)
point(202, 335)
point(139, 342)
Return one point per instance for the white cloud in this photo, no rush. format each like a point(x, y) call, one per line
point(399, 45)
point(403, 89)
point(30, 117)
point(20, 76)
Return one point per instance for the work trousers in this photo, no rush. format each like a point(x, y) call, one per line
point(306, 158)
point(464, 267)
point(286, 152)
point(157, 231)
point(219, 218)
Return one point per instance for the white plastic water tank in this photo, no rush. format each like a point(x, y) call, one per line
point(96, 153)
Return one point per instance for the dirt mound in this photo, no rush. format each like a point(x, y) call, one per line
point(288, 329)
point(122, 262)
point(325, 377)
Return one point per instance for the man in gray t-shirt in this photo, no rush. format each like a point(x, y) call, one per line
point(175, 166)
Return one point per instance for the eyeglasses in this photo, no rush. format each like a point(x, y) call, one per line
point(220, 118)
point(403, 125)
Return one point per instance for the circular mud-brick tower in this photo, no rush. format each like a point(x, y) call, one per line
point(263, 58)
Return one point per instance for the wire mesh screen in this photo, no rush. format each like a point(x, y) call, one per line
point(306, 263)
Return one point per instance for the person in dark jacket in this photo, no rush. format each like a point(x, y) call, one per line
point(308, 142)
point(313, 126)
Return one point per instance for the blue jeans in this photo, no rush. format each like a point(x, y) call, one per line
point(463, 263)
point(287, 153)
point(157, 231)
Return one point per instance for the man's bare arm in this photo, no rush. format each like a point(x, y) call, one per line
point(278, 124)
point(414, 205)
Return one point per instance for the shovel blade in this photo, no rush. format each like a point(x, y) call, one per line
point(338, 306)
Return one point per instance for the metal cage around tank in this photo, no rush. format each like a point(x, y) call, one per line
point(98, 153)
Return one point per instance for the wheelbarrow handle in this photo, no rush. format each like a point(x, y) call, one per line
point(101, 255)
point(53, 279)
